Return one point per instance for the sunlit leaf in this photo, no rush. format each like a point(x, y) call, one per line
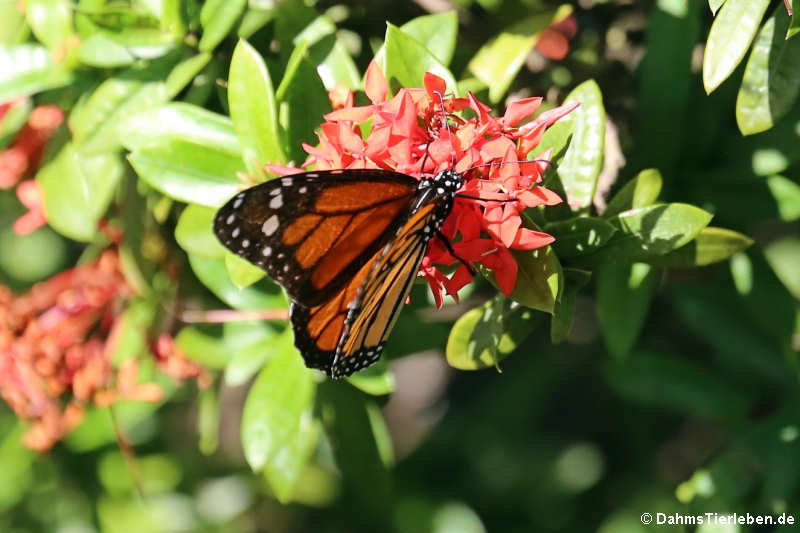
point(437, 32)
point(786, 193)
point(731, 33)
point(771, 82)
point(183, 74)
point(407, 61)
point(253, 109)
point(641, 191)
point(102, 51)
point(213, 274)
point(195, 234)
point(50, 20)
point(784, 257)
point(242, 272)
point(26, 69)
point(710, 246)
point(218, 18)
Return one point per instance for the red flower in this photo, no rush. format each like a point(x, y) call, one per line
point(408, 129)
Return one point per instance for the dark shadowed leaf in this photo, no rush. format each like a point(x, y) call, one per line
point(561, 323)
point(580, 235)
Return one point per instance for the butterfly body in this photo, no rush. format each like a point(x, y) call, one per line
point(346, 245)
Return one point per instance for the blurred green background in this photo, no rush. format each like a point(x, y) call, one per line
point(676, 390)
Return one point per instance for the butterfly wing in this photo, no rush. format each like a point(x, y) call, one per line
point(313, 232)
point(347, 333)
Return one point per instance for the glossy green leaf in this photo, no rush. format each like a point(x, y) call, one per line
point(660, 381)
point(253, 20)
point(579, 235)
point(486, 335)
point(583, 159)
point(714, 5)
point(652, 231)
point(786, 193)
point(242, 272)
point(561, 323)
point(27, 69)
point(78, 189)
point(195, 233)
point(641, 191)
point(183, 74)
point(407, 61)
point(338, 67)
point(499, 61)
point(557, 138)
point(185, 122)
point(102, 51)
point(624, 293)
point(218, 18)
point(278, 430)
point(771, 82)
point(205, 345)
point(377, 380)
point(436, 32)
point(189, 172)
point(252, 344)
point(102, 126)
point(794, 26)
point(50, 20)
point(251, 99)
point(730, 37)
point(213, 274)
point(302, 101)
point(783, 256)
point(710, 246)
point(539, 278)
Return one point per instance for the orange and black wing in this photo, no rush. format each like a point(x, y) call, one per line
point(314, 232)
point(347, 332)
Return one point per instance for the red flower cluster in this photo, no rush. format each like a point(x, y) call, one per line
point(23, 157)
point(420, 126)
point(56, 344)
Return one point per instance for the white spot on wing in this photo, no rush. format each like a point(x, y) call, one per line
point(235, 233)
point(287, 182)
point(230, 219)
point(267, 251)
point(276, 202)
point(270, 225)
point(303, 189)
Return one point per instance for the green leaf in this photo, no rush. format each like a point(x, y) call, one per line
point(189, 172)
point(710, 246)
point(539, 278)
point(579, 235)
point(50, 20)
point(641, 191)
point(783, 256)
point(794, 27)
point(556, 137)
point(242, 272)
point(195, 233)
point(660, 381)
point(185, 122)
point(183, 74)
point(13, 28)
point(278, 430)
point(218, 18)
point(208, 420)
point(102, 51)
point(26, 69)
point(252, 344)
point(583, 159)
point(771, 81)
point(730, 37)
point(561, 323)
point(486, 335)
point(16, 116)
point(213, 274)
point(436, 32)
point(714, 5)
point(499, 61)
point(787, 195)
point(253, 20)
point(624, 293)
point(337, 66)
point(377, 380)
point(101, 126)
point(252, 105)
point(205, 345)
point(651, 231)
point(407, 61)
point(78, 189)
point(303, 100)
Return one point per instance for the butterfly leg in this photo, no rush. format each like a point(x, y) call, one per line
point(450, 249)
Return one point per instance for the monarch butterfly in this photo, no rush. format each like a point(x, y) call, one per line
point(346, 245)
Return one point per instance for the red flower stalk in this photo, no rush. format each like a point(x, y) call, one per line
point(56, 344)
point(408, 131)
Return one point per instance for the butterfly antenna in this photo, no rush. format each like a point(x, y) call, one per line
point(447, 127)
point(498, 163)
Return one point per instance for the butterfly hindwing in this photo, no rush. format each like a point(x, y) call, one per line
point(312, 232)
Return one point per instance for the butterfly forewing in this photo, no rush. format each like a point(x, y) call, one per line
point(347, 333)
point(313, 232)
